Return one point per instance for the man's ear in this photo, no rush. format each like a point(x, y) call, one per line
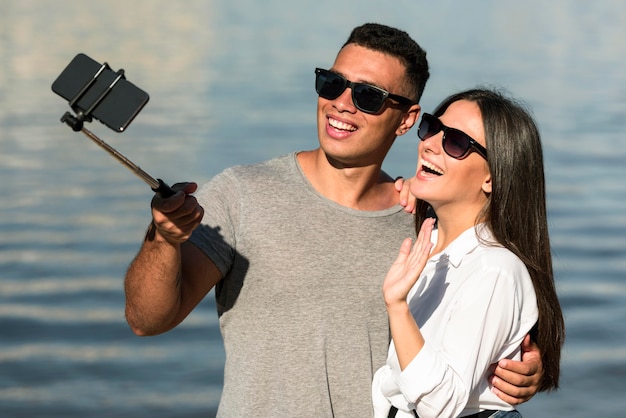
point(408, 119)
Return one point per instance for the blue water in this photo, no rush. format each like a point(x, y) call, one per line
point(232, 82)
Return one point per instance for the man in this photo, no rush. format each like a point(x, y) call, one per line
point(297, 248)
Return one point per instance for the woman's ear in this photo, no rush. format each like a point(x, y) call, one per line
point(487, 184)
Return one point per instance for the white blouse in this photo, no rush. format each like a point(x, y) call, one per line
point(474, 304)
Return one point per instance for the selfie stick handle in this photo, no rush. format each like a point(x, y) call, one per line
point(157, 185)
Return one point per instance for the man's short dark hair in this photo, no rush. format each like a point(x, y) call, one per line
point(399, 44)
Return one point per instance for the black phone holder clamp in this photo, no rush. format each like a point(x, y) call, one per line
point(76, 122)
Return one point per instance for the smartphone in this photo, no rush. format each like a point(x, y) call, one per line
point(84, 84)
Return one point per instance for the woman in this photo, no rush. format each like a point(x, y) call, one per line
point(485, 271)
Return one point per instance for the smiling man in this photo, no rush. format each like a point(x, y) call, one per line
point(297, 248)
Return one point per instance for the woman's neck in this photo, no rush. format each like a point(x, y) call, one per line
point(451, 224)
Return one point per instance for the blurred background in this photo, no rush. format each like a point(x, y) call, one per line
point(232, 83)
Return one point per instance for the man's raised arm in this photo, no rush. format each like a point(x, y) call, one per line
point(169, 276)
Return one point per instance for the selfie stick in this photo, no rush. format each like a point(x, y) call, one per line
point(76, 123)
point(157, 185)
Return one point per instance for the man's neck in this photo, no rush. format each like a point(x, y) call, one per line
point(362, 188)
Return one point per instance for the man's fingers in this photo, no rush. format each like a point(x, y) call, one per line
point(514, 381)
point(174, 201)
point(509, 393)
point(398, 183)
point(187, 187)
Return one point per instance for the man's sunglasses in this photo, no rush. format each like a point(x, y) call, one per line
point(457, 144)
point(366, 98)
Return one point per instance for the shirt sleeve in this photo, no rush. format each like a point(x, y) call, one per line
point(381, 404)
point(216, 236)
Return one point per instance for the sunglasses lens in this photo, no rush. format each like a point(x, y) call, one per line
point(368, 98)
point(329, 85)
point(456, 143)
point(429, 126)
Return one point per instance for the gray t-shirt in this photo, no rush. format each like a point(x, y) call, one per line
point(301, 308)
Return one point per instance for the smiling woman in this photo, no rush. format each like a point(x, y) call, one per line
point(493, 276)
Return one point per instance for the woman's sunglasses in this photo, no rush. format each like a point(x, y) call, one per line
point(457, 144)
point(366, 98)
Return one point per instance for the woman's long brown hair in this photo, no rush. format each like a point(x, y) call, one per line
point(516, 210)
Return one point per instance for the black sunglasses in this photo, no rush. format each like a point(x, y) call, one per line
point(366, 98)
point(457, 144)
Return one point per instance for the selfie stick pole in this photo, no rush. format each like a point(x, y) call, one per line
point(157, 185)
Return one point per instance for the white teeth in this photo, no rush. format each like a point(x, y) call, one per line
point(432, 167)
point(341, 125)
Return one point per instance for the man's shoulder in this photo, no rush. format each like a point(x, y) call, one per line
point(280, 163)
point(276, 172)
